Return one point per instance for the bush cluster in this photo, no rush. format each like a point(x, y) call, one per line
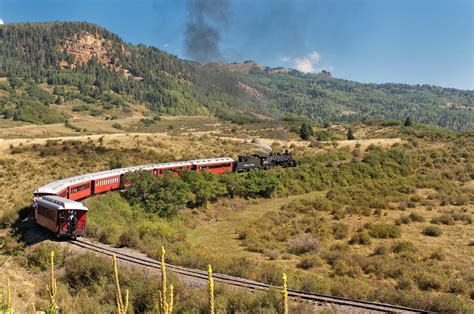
point(361, 237)
point(166, 195)
point(432, 231)
point(384, 231)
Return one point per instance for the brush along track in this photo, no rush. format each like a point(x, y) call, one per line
point(245, 283)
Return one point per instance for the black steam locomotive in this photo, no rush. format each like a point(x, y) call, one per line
point(246, 163)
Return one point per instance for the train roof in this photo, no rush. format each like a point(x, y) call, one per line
point(211, 160)
point(60, 203)
point(59, 185)
point(55, 186)
point(173, 164)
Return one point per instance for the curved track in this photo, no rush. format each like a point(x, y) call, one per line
point(245, 283)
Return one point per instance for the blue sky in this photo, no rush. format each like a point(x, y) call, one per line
point(405, 41)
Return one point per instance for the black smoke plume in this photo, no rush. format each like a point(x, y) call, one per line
point(206, 21)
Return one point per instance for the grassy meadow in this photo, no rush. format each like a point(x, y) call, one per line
point(387, 217)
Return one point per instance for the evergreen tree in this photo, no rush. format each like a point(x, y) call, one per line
point(350, 135)
point(306, 131)
point(408, 122)
point(59, 100)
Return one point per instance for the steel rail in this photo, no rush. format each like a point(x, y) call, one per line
point(245, 283)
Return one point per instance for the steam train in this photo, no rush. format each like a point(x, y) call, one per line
point(246, 163)
point(57, 209)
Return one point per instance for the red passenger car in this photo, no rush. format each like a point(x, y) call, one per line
point(171, 168)
point(63, 193)
point(216, 165)
point(80, 190)
point(60, 215)
point(105, 184)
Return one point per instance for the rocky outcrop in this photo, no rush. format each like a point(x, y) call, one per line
point(86, 47)
point(248, 89)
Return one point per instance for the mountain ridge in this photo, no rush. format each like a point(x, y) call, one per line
point(111, 73)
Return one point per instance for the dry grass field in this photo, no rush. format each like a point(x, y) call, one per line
point(259, 238)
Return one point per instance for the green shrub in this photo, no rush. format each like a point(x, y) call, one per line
point(205, 187)
point(129, 238)
point(384, 231)
point(432, 231)
point(306, 131)
point(340, 231)
point(404, 284)
point(116, 161)
point(39, 256)
point(350, 288)
point(466, 218)
point(403, 220)
point(8, 217)
point(310, 262)
point(416, 217)
point(324, 135)
point(443, 220)
point(272, 254)
point(381, 250)
point(460, 216)
point(361, 237)
point(303, 243)
point(34, 112)
point(347, 267)
point(457, 287)
point(338, 214)
point(117, 126)
point(87, 269)
point(428, 281)
point(253, 184)
point(11, 245)
point(449, 303)
point(161, 195)
point(404, 246)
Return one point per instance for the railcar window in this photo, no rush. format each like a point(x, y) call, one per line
point(106, 181)
point(174, 169)
point(215, 166)
point(80, 188)
point(47, 212)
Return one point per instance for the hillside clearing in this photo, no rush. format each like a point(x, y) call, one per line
point(220, 233)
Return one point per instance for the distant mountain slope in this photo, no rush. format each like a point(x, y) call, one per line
point(54, 66)
point(322, 97)
point(97, 67)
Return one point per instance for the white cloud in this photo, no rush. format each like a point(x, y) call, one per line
point(308, 63)
point(1, 22)
point(166, 45)
point(304, 65)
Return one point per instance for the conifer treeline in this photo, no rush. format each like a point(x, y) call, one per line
point(167, 84)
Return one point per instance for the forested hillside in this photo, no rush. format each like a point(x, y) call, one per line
point(50, 70)
point(96, 67)
point(322, 98)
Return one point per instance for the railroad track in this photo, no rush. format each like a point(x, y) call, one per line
point(246, 283)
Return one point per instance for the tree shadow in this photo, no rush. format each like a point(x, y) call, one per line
point(28, 231)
